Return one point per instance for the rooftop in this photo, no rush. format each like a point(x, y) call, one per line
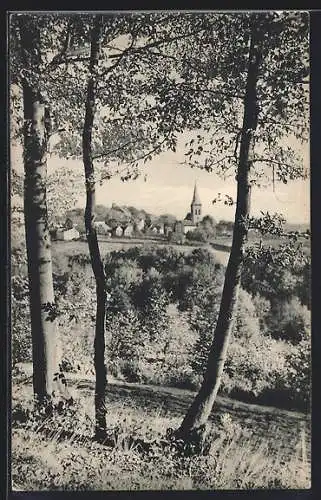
point(196, 198)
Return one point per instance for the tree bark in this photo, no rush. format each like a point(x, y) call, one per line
point(41, 291)
point(196, 418)
point(96, 261)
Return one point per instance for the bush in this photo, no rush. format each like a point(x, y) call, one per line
point(277, 273)
point(262, 310)
point(203, 320)
point(248, 370)
point(21, 344)
point(196, 235)
point(295, 382)
point(129, 370)
point(290, 320)
point(258, 367)
point(124, 336)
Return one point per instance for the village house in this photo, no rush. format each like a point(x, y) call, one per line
point(117, 231)
point(67, 234)
point(140, 225)
point(160, 229)
point(128, 231)
point(102, 228)
point(168, 229)
point(188, 225)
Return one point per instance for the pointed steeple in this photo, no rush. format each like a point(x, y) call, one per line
point(196, 206)
point(196, 198)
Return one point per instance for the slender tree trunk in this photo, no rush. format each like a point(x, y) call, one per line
point(41, 291)
point(96, 261)
point(198, 414)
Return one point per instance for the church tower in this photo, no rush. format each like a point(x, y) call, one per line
point(196, 207)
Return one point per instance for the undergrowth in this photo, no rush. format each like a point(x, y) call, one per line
point(58, 453)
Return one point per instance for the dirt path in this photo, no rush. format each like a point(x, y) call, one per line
point(283, 429)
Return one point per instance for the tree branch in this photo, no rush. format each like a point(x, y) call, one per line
point(110, 151)
point(60, 58)
point(276, 122)
point(121, 57)
point(126, 52)
point(273, 162)
point(157, 43)
point(213, 164)
point(212, 91)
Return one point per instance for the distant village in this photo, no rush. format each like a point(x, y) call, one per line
point(129, 222)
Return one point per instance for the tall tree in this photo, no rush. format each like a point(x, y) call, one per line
point(42, 301)
point(121, 138)
point(96, 260)
point(201, 407)
point(267, 85)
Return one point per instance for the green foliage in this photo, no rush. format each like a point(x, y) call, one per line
point(178, 238)
point(205, 231)
point(20, 313)
point(196, 235)
point(246, 325)
point(124, 337)
point(224, 227)
point(20, 321)
point(262, 311)
point(299, 372)
point(277, 273)
point(267, 224)
point(290, 321)
point(274, 377)
point(150, 340)
point(203, 321)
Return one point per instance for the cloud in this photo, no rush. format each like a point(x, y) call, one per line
point(169, 189)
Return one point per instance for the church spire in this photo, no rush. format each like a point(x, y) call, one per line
point(196, 197)
point(196, 206)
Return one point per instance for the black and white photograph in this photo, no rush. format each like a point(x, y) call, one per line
point(160, 250)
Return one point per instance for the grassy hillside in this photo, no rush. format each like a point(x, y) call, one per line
point(251, 448)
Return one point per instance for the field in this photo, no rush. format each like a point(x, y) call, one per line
point(63, 248)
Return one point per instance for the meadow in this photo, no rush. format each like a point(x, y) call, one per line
point(64, 248)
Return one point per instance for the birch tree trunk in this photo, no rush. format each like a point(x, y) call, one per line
point(96, 261)
point(41, 291)
point(198, 413)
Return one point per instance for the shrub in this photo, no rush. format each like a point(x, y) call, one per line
point(258, 367)
point(248, 370)
point(275, 273)
point(294, 383)
point(289, 320)
point(124, 336)
point(262, 311)
point(246, 325)
point(21, 345)
point(204, 317)
point(196, 235)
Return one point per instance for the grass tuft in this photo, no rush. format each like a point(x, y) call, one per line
point(58, 452)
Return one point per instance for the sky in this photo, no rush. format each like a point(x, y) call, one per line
point(169, 189)
point(166, 186)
